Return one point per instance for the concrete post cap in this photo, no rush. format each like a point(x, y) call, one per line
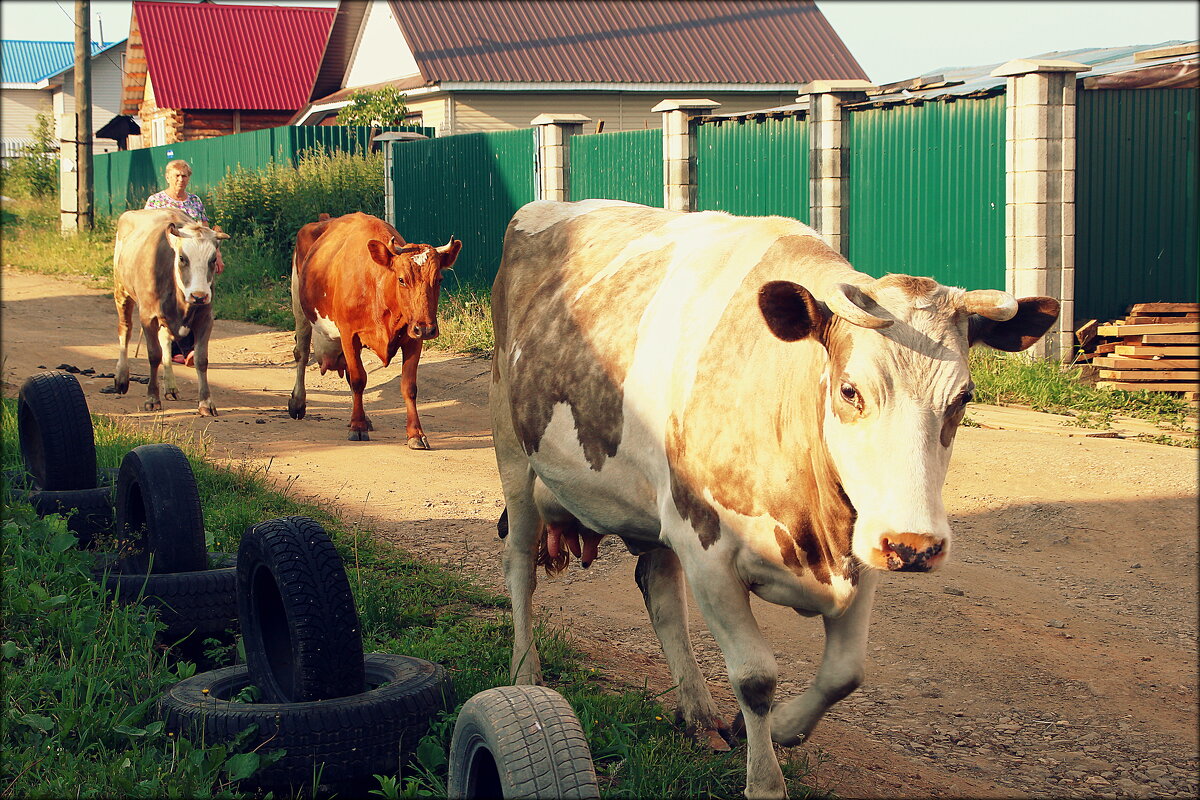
point(697, 104)
point(830, 87)
point(1024, 66)
point(559, 119)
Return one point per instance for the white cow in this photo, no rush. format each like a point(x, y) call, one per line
point(747, 412)
point(164, 261)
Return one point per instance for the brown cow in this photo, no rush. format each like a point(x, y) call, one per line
point(356, 283)
point(164, 261)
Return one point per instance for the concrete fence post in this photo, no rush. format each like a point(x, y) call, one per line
point(1039, 158)
point(679, 151)
point(553, 153)
point(828, 156)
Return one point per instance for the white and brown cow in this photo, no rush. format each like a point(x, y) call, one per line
point(164, 262)
point(748, 413)
point(356, 283)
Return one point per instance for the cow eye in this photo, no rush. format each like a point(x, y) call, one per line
point(401, 280)
point(851, 395)
point(967, 396)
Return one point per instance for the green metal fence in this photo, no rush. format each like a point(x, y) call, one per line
point(1135, 200)
point(123, 180)
point(466, 186)
point(926, 191)
point(619, 166)
point(753, 167)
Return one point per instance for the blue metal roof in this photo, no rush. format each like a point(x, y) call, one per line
point(24, 61)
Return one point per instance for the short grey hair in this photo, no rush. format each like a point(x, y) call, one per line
point(178, 165)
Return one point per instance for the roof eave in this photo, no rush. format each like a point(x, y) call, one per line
point(607, 86)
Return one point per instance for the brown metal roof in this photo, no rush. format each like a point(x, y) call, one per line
point(624, 41)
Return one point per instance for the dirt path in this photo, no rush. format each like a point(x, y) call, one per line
point(1055, 656)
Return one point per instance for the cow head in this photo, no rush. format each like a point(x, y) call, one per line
point(894, 390)
point(195, 260)
point(418, 269)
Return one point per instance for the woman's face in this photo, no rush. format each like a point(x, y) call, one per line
point(177, 181)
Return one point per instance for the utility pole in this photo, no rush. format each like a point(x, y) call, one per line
point(83, 114)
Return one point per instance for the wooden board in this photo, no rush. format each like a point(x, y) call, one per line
point(1114, 362)
point(1107, 347)
point(1086, 332)
point(1139, 319)
point(1166, 351)
point(1156, 308)
point(1142, 330)
point(1171, 338)
point(1151, 375)
point(1132, 386)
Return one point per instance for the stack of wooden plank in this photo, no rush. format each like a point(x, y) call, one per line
point(1156, 347)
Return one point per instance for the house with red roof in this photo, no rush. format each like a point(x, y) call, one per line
point(197, 70)
point(482, 65)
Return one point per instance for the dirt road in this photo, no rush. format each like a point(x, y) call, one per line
point(1055, 656)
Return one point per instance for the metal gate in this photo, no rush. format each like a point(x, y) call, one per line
point(626, 165)
point(753, 167)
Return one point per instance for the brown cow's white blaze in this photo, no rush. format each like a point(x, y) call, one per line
point(164, 262)
point(356, 283)
point(745, 411)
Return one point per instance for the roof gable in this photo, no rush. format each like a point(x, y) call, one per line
point(210, 56)
point(624, 41)
point(24, 61)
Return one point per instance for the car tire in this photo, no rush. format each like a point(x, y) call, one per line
point(520, 741)
point(299, 625)
point(159, 525)
point(89, 512)
point(54, 427)
point(344, 740)
point(192, 605)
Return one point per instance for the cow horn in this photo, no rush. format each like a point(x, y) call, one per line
point(990, 303)
point(844, 301)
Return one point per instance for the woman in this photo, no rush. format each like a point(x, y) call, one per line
point(176, 196)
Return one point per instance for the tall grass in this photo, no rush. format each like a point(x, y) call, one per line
point(81, 676)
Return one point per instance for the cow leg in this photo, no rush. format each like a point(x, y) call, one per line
point(298, 402)
point(356, 376)
point(154, 356)
point(725, 604)
point(170, 390)
point(202, 328)
point(124, 326)
point(841, 671)
point(521, 541)
point(411, 350)
point(660, 578)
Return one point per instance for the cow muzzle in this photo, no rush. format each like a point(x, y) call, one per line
point(423, 330)
point(198, 298)
point(909, 552)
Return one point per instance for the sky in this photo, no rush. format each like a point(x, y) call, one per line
point(892, 40)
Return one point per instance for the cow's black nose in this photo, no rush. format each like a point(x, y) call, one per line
point(198, 298)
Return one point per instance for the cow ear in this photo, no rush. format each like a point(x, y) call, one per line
point(380, 253)
point(220, 234)
point(791, 312)
point(449, 252)
point(1034, 317)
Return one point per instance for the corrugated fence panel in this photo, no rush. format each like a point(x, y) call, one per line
point(619, 166)
point(753, 167)
point(1135, 200)
point(466, 186)
point(125, 179)
point(927, 191)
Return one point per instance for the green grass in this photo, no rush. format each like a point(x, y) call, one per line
point(1012, 379)
point(81, 676)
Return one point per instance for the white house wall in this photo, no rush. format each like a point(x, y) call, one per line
point(18, 112)
point(382, 54)
point(106, 96)
point(621, 111)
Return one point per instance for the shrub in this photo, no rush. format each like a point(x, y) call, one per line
point(385, 106)
point(34, 173)
point(271, 204)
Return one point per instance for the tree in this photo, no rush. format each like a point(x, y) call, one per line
point(378, 108)
point(34, 173)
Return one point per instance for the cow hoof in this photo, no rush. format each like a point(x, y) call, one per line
point(152, 405)
point(208, 410)
point(418, 443)
point(171, 395)
point(717, 736)
point(359, 436)
point(121, 387)
point(296, 410)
